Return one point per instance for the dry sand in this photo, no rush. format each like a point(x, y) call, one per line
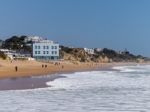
point(34, 68)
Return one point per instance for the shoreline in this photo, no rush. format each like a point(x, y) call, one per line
point(27, 80)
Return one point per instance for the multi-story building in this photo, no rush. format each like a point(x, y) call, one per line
point(45, 50)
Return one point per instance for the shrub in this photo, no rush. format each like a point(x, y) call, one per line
point(2, 55)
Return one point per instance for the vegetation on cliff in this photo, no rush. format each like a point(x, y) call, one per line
point(17, 43)
point(105, 55)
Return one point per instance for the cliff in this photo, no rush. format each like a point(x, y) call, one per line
point(104, 56)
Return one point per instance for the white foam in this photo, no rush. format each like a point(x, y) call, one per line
point(86, 80)
point(137, 68)
point(76, 80)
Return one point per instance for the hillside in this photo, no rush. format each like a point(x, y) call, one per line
point(105, 55)
point(17, 43)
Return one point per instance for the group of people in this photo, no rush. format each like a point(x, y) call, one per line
point(44, 66)
point(58, 64)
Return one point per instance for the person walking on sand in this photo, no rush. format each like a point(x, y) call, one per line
point(45, 66)
point(42, 65)
point(62, 66)
point(16, 68)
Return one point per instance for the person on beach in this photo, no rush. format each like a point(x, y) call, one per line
point(62, 66)
point(45, 66)
point(16, 68)
point(42, 66)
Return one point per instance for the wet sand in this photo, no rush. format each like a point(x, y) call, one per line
point(26, 82)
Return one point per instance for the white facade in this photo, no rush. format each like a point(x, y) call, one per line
point(98, 49)
point(89, 51)
point(33, 39)
point(12, 54)
point(9, 53)
point(45, 49)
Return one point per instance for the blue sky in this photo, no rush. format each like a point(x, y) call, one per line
point(116, 24)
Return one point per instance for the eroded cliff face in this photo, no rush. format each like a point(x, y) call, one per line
point(79, 54)
point(104, 56)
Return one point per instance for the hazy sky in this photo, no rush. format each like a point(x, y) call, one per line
point(116, 24)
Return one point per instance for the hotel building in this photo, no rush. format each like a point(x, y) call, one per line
point(45, 50)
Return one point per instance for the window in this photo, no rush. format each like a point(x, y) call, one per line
point(52, 52)
point(35, 47)
point(52, 47)
point(43, 47)
point(38, 47)
point(55, 52)
point(55, 47)
point(47, 47)
point(43, 52)
point(38, 52)
point(47, 52)
point(35, 52)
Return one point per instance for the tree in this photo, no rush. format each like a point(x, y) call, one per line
point(17, 43)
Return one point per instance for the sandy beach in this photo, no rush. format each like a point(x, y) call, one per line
point(35, 68)
point(25, 76)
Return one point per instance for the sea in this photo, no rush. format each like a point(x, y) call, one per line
point(122, 89)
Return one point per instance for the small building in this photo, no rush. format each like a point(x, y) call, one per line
point(98, 49)
point(12, 54)
point(33, 39)
point(45, 50)
point(9, 53)
point(89, 51)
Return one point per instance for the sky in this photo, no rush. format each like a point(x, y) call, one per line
point(116, 24)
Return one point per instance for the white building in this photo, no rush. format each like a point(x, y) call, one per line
point(12, 54)
point(89, 51)
point(33, 39)
point(45, 49)
point(9, 53)
point(98, 49)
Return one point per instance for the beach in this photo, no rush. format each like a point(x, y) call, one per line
point(34, 74)
point(35, 68)
point(124, 88)
point(124, 84)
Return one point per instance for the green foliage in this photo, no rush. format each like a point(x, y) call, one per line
point(66, 49)
point(14, 43)
point(17, 43)
point(109, 53)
